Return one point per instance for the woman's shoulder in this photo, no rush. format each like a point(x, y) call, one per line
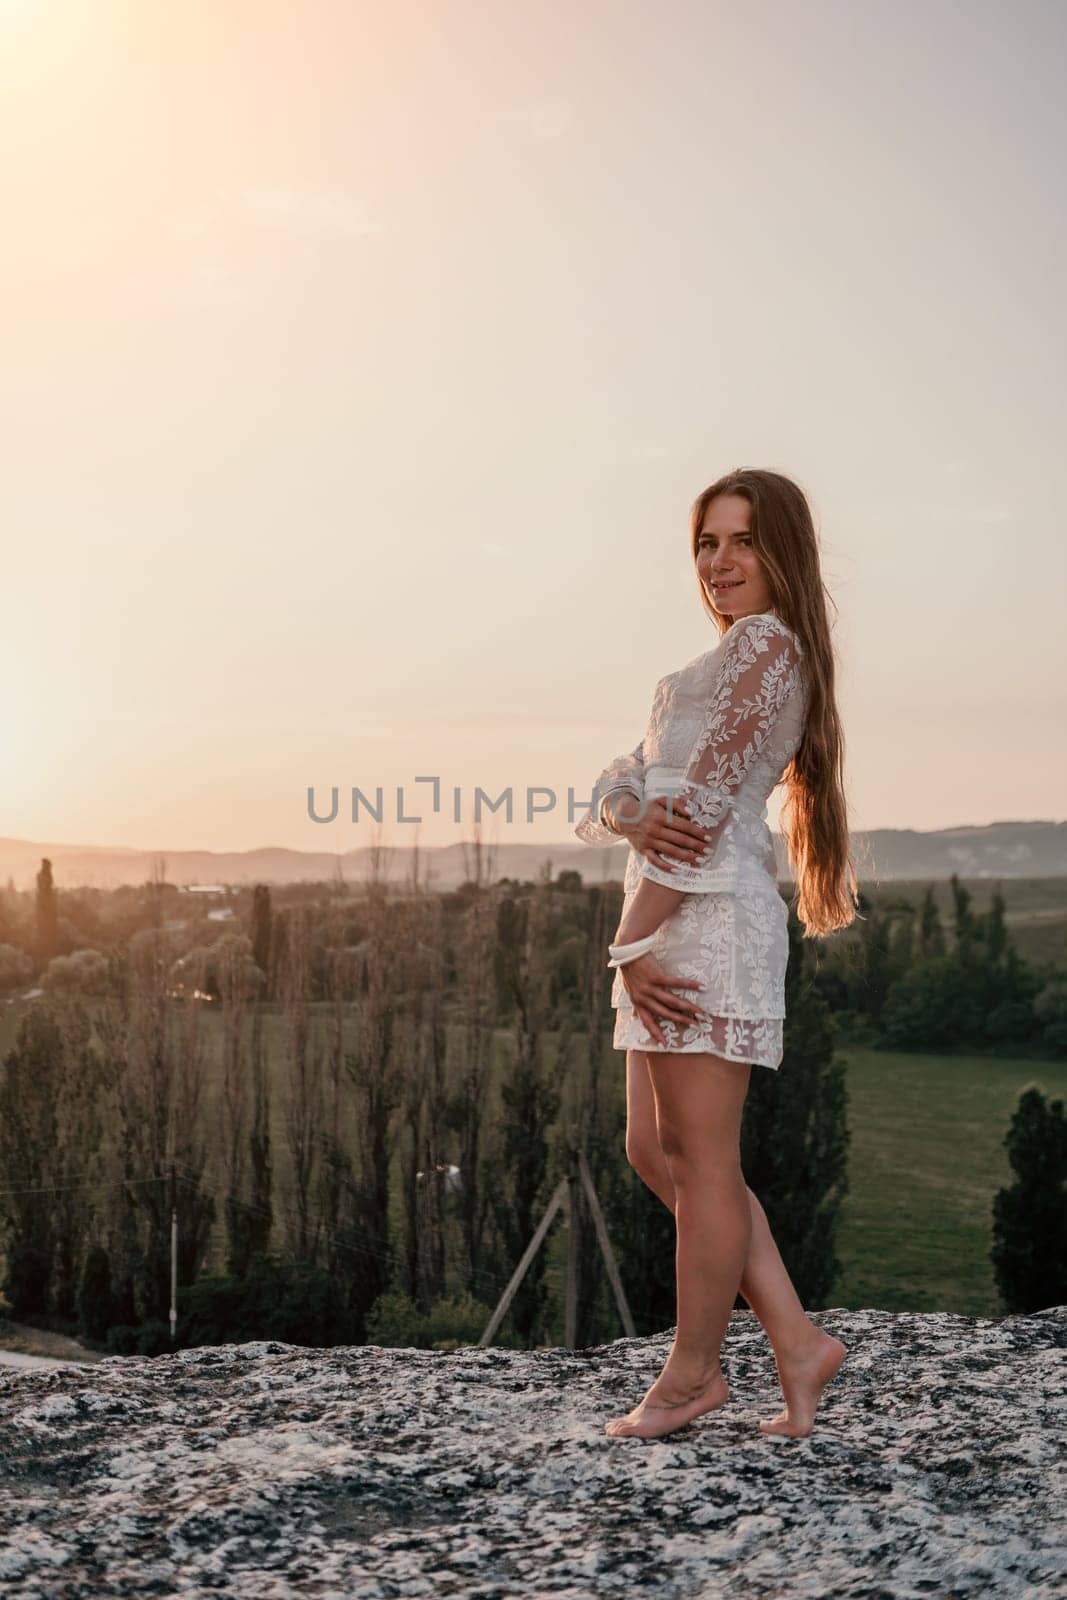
point(761, 625)
point(756, 628)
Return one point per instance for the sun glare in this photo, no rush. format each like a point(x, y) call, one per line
point(18, 13)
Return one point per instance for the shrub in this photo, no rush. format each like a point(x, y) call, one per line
point(455, 1321)
point(294, 1302)
point(122, 1339)
point(82, 972)
point(210, 1312)
point(16, 968)
point(290, 1301)
point(153, 1338)
point(396, 1322)
point(935, 1006)
point(29, 1271)
point(1050, 1008)
point(225, 968)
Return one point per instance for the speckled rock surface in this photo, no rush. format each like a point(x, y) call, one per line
point(271, 1471)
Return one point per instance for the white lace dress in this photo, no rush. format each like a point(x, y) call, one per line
point(722, 731)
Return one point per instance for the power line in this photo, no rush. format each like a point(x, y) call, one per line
point(482, 1278)
point(390, 1259)
point(67, 1188)
point(346, 1245)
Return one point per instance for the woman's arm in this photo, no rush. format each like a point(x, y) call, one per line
point(626, 774)
point(757, 671)
point(652, 904)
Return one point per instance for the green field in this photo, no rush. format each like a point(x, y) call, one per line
point(925, 1161)
point(926, 1158)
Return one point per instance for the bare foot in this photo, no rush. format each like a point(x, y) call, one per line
point(803, 1381)
point(668, 1405)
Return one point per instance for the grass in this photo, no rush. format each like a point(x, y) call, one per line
point(925, 1160)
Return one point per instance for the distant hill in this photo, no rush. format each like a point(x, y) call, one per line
point(997, 850)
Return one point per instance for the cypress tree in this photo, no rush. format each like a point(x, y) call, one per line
point(523, 1176)
point(931, 933)
point(967, 929)
point(94, 1294)
point(794, 1138)
point(47, 916)
point(1029, 1253)
point(261, 931)
point(29, 1137)
point(994, 930)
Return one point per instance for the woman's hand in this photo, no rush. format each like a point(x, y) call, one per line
point(659, 837)
point(649, 988)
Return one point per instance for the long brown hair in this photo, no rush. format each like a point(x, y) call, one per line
point(815, 814)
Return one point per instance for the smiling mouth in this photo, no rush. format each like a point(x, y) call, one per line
point(735, 585)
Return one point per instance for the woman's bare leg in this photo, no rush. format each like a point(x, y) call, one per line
point(698, 1100)
point(805, 1356)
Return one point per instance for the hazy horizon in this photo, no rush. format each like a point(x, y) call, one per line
point(362, 365)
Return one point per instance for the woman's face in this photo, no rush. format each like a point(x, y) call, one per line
point(728, 567)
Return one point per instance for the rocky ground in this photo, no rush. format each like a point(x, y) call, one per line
point(271, 1471)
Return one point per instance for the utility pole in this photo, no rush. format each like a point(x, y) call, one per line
point(578, 1180)
point(173, 1254)
point(570, 1299)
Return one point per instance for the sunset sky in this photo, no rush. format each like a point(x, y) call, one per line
point(361, 363)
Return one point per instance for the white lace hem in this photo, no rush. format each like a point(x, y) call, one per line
point(751, 1039)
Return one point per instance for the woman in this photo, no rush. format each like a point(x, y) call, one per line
point(701, 948)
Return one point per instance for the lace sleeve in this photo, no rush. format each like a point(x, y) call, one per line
point(757, 671)
point(624, 773)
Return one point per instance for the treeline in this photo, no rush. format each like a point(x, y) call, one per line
point(902, 977)
point(904, 980)
point(357, 1108)
point(357, 1104)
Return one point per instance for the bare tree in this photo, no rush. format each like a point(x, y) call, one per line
point(375, 1069)
point(189, 1143)
point(476, 982)
point(261, 919)
point(146, 1101)
point(28, 1100)
point(530, 1095)
point(156, 886)
point(79, 1137)
point(424, 1094)
point(261, 1182)
point(429, 1215)
point(163, 1140)
point(121, 1224)
point(240, 981)
point(303, 1099)
point(336, 1178)
point(593, 1117)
